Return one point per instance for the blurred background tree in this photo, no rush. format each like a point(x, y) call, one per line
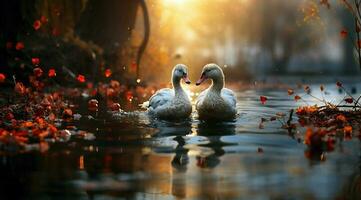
point(84, 36)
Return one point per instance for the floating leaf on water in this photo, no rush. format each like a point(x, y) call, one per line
point(343, 33)
point(290, 92)
point(339, 84)
point(263, 99)
point(349, 100)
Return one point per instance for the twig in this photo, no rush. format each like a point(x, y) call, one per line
point(340, 106)
point(290, 118)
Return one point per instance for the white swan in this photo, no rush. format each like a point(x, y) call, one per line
point(173, 103)
point(216, 102)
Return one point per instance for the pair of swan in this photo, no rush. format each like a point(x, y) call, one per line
point(215, 103)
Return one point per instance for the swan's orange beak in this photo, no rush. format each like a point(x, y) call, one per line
point(201, 79)
point(186, 79)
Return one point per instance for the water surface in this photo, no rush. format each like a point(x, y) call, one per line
point(135, 157)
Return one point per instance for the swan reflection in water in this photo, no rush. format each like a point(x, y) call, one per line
point(214, 133)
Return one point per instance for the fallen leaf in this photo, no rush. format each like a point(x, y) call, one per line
point(347, 129)
point(19, 46)
point(341, 118)
point(20, 88)
point(322, 88)
point(52, 73)
point(115, 107)
point(2, 77)
point(349, 100)
point(343, 33)
point(108, 73)
point(93, 105)
point(81, 78)
point(37, 24)
point(263, 99)
point(297, 98)
point(339, 84)
point(35, 61)
point(43, 19)
point(38, 72)
point(290, 92)
point(307, 89)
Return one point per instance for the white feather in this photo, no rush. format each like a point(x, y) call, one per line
point(171, 103)
point(161, 97)
point(216, 102)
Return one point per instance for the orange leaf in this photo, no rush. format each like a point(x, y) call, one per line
point(67, 113)
point(38, 72)
point(20, 88)
point(35, 61)
point(81, 78)
point(263, 99)
point(52, 73)
point(108, 73)
point(290, 92)
point(115, 107)
point(93, 104)
point(2, 78)
point(133, 66)
point(308, 135)
point(129, 96)
point(19, 46)
point(347, 129)
point(341, 118)
point(37, 24)
point(43, 19)
point(343, 33)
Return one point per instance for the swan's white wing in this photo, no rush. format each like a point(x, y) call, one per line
point(161, 97)
point(229, 96)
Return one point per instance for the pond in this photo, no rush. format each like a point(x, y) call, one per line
point(134, 157)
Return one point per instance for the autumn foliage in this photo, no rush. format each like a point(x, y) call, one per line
point(323, 125)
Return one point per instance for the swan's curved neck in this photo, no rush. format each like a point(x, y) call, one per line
point(217, 83)
point(177, 85)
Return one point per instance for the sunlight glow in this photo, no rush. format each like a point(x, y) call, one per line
point(191, 95)
point(174, 2)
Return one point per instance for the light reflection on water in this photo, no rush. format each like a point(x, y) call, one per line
point(140, 158)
